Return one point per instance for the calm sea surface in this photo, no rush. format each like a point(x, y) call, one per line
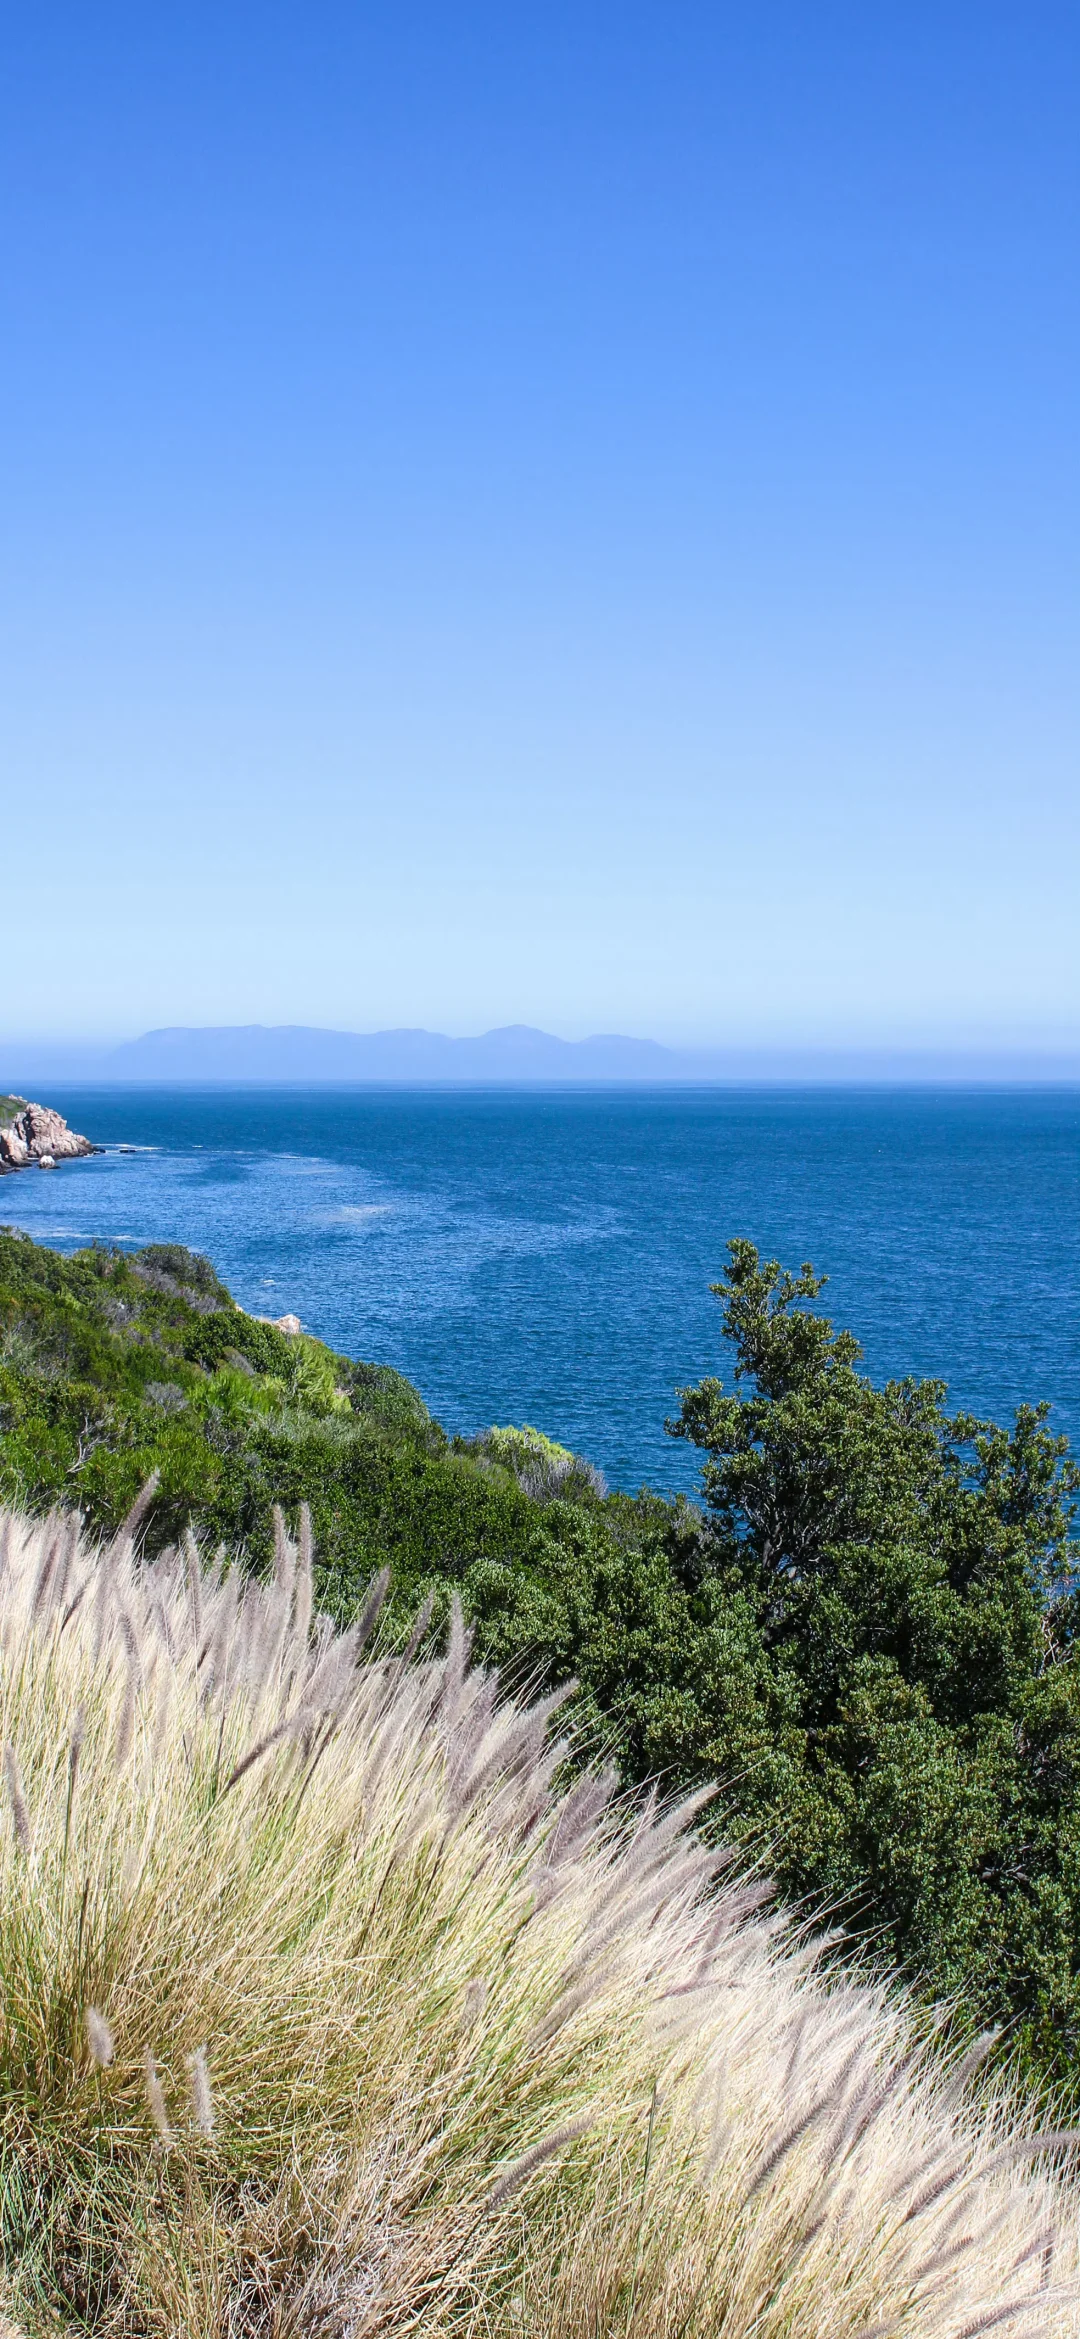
point(545, 1256)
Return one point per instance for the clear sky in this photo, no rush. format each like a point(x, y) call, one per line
point(563, 513)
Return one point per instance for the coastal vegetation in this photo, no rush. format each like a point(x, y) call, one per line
point(334, 2003)
point(866, 1630)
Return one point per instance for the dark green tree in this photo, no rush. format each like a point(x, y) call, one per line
point(906, 1728)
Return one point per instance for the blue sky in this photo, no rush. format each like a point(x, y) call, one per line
point(564, 514)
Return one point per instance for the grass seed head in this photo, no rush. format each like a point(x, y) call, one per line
point(202, 2101)
point(155, 2097)
point(17, 1799)
point(99, 2038)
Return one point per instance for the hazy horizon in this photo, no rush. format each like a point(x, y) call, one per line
point(304, 1055)
point(948, 1039)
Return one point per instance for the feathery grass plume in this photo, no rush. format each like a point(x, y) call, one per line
point(284, 1553)
point(45, 1574)
point(202, 2101)
point(75, 1745)
point(194, 1576)
point(513, 2178)
point(474, 2001)
point(372, 1608)
point(436, 1991)
point(99, 2038)
point(155, 2097)
point(130, 1639)
point(303, 1575)
point(129, 1526)
point(418, 1628)
point(19, 1813)
point(125, 1728)
point(58, 1588)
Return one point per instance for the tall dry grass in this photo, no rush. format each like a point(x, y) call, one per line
point(324, 2012)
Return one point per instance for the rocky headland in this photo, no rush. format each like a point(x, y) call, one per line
point(34, 1136)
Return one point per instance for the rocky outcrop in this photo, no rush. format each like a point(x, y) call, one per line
point(38, 1137)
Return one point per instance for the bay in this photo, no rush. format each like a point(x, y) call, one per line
point(545, 1255)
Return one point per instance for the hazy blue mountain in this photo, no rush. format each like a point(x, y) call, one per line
point(298, 1052)
point(516, 1053)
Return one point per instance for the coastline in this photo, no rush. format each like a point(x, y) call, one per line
point(37, 1137)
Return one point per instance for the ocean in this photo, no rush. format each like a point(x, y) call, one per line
point(545, 1255)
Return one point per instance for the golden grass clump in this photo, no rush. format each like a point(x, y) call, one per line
point(326, 2010)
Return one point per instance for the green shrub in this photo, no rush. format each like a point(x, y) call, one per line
point(189, 1270)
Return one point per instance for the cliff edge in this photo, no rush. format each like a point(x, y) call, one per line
point(35, 1134)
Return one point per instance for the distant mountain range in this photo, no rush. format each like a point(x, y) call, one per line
point(516, 1053)
point(298, 1052)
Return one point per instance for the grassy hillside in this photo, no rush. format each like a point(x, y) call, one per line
point(325, 2011)
point(867, 1630)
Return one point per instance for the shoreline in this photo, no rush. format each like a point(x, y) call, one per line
point(36, 1137)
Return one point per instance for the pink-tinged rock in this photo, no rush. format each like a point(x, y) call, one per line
point(38, 1134)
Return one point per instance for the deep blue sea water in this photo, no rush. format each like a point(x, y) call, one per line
point(545, 1256)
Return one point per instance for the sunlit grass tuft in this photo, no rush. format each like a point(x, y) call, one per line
point(323, 2011)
